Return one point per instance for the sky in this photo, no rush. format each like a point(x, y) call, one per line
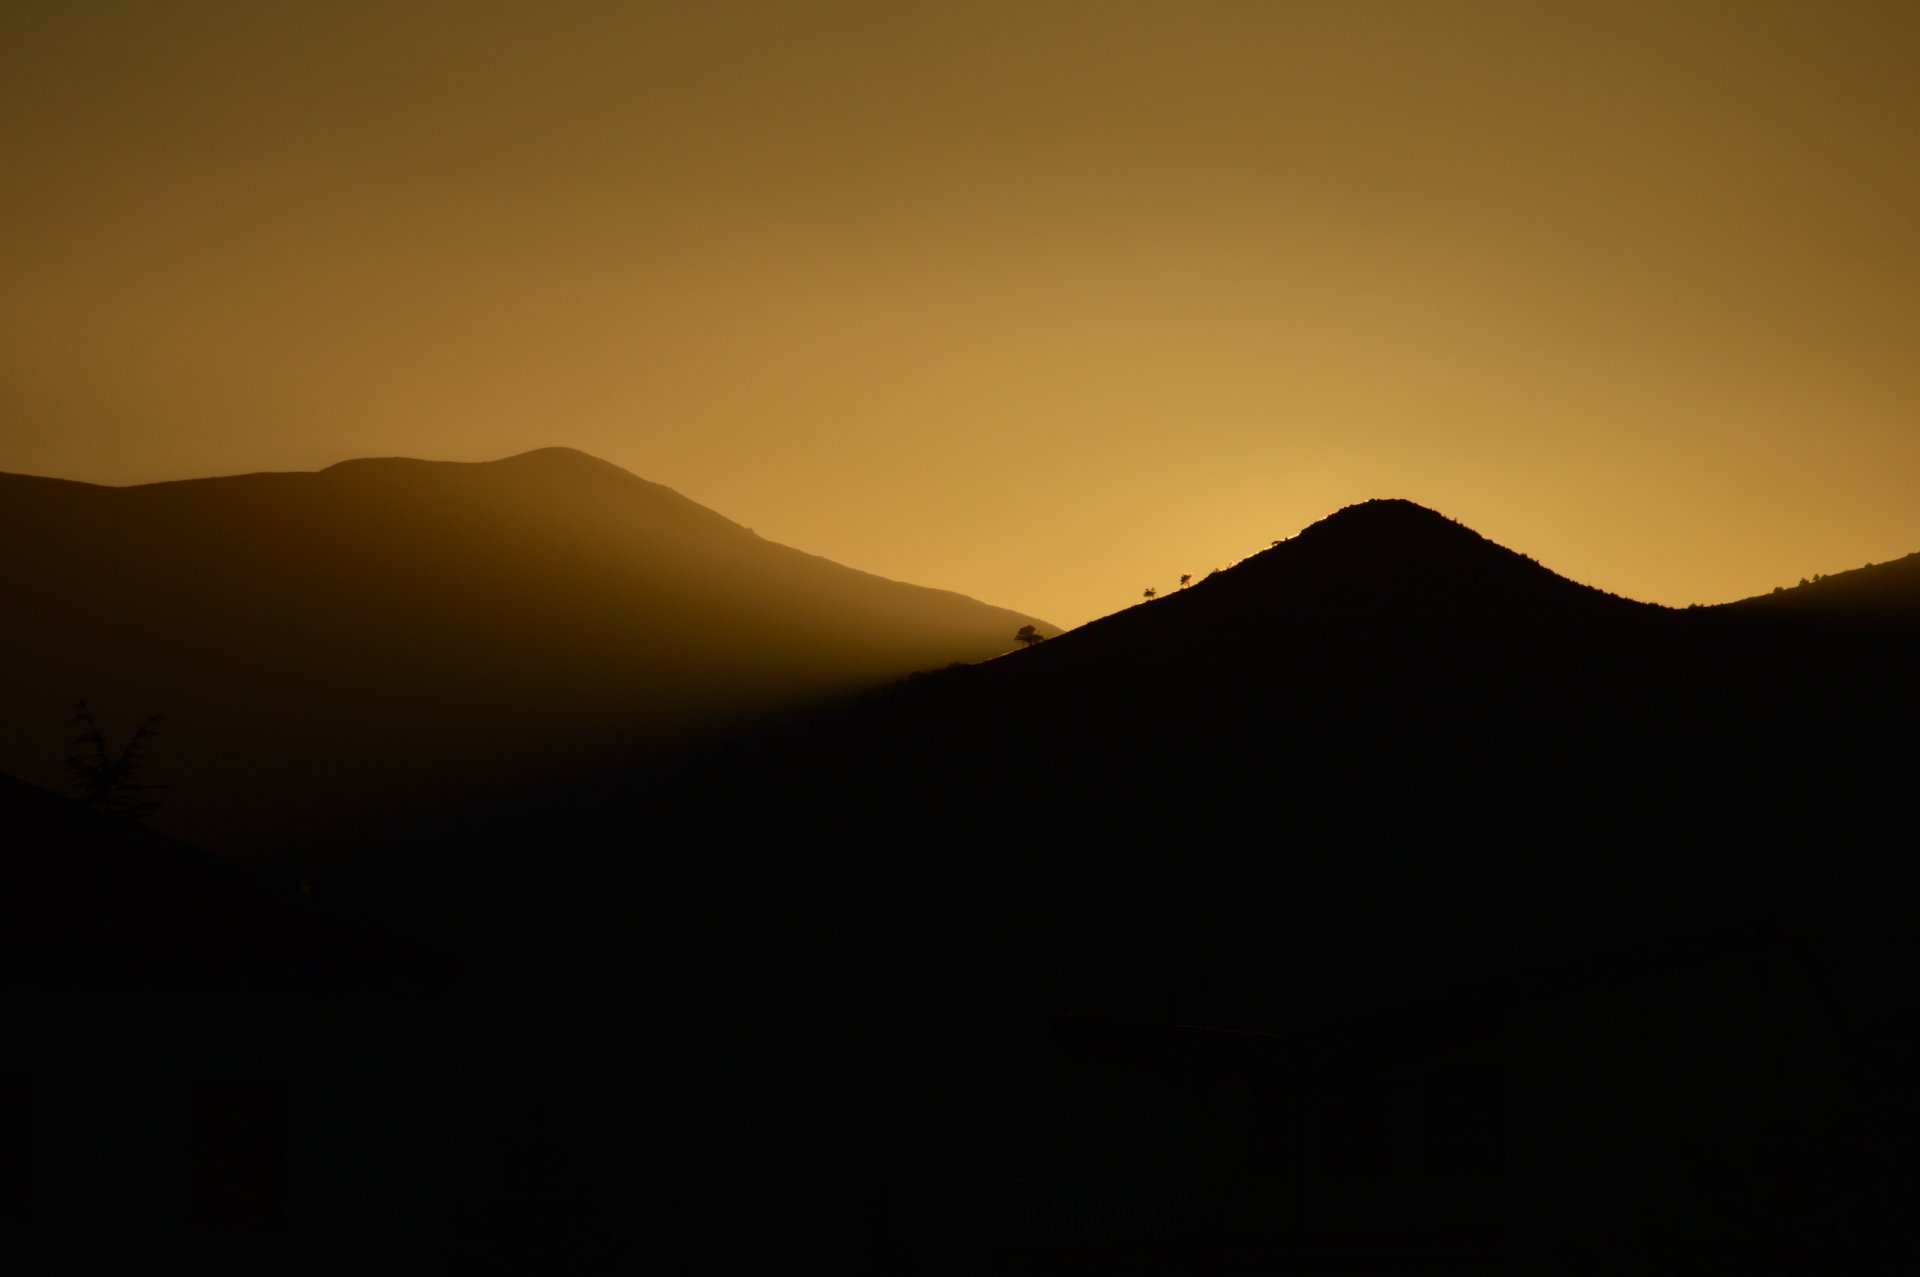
point(1041, 302)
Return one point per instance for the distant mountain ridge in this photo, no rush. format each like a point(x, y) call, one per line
point(330, 648)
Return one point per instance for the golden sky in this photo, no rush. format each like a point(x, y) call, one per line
point(1043, 302)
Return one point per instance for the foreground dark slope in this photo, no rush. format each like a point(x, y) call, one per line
point(1385, 726)
point(1881, 599)
point(97, 903)
point(203, 1073)
point(1388, 666)
point(1399, 804)
point(332, 649)
point(1383, 903)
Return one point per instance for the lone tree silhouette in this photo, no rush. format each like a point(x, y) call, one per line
point(1149, 593)
point(1028, 635)
point(1186, 579)
point(107, 782)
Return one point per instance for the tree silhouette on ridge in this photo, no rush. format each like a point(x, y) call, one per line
point(107, 782)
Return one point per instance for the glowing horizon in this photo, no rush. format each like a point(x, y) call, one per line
point(1043, 305)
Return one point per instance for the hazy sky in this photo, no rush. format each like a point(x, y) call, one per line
point(1043, 302)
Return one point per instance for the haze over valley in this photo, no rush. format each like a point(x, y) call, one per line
point(333, 650)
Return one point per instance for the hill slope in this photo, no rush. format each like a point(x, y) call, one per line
point(1317, 890)
point(332, 649)
point(1385, 902)
point(1879, 598)
point(1385, 748)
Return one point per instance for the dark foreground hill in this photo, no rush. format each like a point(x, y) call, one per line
point(97, 904)
point(331, 650)
point(1384, 903)
point(200, 1071)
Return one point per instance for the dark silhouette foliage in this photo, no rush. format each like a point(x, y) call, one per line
point(109, 782)
point(1028, 636)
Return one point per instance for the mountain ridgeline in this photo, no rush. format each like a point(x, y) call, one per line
point(1388, 666)
point(1280, 918)
point(389, 637)
point(1385, 902)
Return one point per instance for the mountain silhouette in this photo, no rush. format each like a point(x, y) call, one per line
point(1391, 834)
point(1387, 674)
point(335, 649)
point(1383, 902)
point(1388, 585)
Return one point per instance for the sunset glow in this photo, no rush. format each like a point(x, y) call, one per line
point(1038, 303)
